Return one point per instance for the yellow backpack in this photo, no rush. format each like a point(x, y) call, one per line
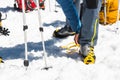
point(111, 12)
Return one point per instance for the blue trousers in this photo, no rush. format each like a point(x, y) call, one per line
point(78, 7)
point(87, 27)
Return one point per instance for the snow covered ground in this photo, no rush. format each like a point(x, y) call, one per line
point(64, 67)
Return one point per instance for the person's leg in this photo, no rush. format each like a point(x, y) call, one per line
point(78, 7)
point(66, 30)
point(89, 30)
point(90, 21)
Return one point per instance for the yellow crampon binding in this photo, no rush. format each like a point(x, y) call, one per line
point(71, 48)
point(90, 58)
point(1, 61)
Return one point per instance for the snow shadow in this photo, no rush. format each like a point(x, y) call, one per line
point(7, 9)
point(18, 50)
point(56, 23)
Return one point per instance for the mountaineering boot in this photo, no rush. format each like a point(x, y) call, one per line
point(1, 61)
point(87, 54)
point(63, 32)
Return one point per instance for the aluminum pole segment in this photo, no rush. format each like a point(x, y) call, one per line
point(25, 27)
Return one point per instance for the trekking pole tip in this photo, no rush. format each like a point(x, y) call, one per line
point(56, 11)
point(26, 63)
point(46, 68)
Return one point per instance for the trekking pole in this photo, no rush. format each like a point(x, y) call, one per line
point(43, 44)
point(25, 27)
point(105, 15)
point(55, 7)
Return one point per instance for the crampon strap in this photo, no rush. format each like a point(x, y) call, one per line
point(71, 47)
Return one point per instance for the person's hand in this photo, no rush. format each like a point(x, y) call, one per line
point(76, 38)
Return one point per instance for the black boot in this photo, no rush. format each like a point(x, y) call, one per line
point(63, 32)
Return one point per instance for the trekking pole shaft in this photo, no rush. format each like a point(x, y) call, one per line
point(25, 27)
point(23, 10)
point(41, 30)
point(25, 39)
point(43, 45)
